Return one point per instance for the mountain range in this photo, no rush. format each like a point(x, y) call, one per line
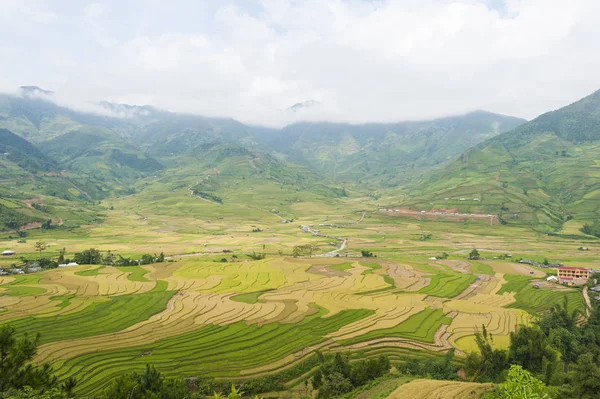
point(538, 173)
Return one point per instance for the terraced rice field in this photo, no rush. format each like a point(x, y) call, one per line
point(240, 319)
point(426, 389)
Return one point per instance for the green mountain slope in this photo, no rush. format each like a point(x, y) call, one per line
point(86, 144)
point(223, 169)
point(34, 188)
point(541, 174)
point(388, 153)
point(18, 157)
point(222, 178)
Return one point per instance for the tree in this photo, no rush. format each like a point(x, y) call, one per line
point(474, 254)
point(528, 348)
point(489, 363)
point(335, 385)
point(521, 384)
point(235, 394)
point(586, 377)
point(317, 379)
point(304, 250)
point(147, 259)
point(565, 342)
point(47, 224)
point(89, 257)
point(257, 256)
point(68, 385)
point(16, 371)
point(40, 246)
point(30, 393)
point(61, 255)
point(137, 386)
point(160, 258)
point(592, 229)
point(108, 258)
point(560, 316)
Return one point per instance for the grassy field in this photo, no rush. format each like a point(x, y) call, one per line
point(212, 310)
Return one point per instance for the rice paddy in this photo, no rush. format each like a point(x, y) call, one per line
point(211, 310)
point(422, 389)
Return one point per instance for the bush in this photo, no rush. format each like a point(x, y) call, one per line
point(257, 256)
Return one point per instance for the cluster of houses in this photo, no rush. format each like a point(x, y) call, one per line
point(31, 268)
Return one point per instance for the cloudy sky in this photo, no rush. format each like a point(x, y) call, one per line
point(363, 60)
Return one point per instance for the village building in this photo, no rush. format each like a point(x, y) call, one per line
point(573, 275)
point(68, 264)
point(8, 252)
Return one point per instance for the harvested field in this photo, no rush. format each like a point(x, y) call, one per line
point(434, 389)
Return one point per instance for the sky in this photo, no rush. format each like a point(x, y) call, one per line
point(363, 61)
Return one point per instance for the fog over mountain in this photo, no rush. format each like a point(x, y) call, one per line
point(379, 61)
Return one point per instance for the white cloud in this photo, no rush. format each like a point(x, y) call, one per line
point(363, 60)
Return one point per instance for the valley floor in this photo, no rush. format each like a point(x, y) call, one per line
point(211, 310)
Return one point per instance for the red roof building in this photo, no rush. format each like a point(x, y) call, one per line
point(573, 275)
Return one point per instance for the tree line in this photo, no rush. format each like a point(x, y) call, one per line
point(558, 356)
point(91, 256)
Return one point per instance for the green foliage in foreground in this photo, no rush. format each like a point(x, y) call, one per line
point(559, 350)
point(520, 384)
point(439, 369)
point(113, 315)
point(16, 372)
point(210, 350)
point(339, 376)
point(535, 300)
point(421, 327)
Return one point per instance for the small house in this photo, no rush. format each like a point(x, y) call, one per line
point(68, 264)
point(553, 279)
point(8, 252)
